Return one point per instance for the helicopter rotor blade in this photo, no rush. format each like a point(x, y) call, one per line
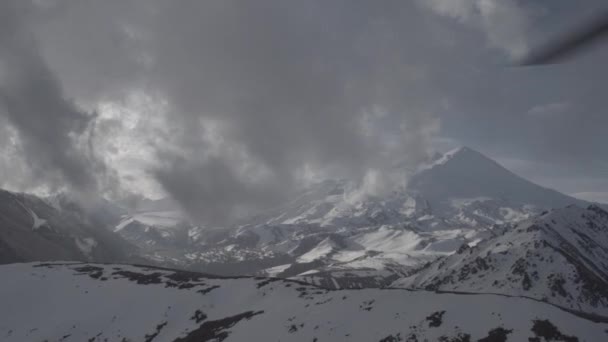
point(570, 44)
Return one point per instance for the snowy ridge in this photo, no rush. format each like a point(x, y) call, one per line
point(112, 302)
point(560, 257)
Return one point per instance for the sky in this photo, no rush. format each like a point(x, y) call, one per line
point(230, 106)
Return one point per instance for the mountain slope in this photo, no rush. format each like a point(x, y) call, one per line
point(32, 230)
point(560, 257)
point(95, 209)
point(466, 174)
point(112, 302)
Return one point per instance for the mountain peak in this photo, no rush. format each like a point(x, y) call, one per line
point(464, 173)
point(454, 155)
point(462, 149)
point(467, 152)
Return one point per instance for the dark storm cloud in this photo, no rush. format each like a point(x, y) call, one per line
point(31, 98)
point(262, 94)
point(259, 91)
point(288, 83)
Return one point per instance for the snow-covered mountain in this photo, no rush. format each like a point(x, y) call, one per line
point(560, 257)
point(92, 302)
point(33, 230)
point(334, 236)
point(467, 174)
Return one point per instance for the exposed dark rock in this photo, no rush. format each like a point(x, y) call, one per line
point(151, 337)
point(496, 335)
point(367, 305)
point(92, 271)
point(217, 330)
point(198, 316)
point(208, 289)
point(266, 282)
point(392, 338)
point(140, 278)
point(459, 338)
point(435, 319)
point(549, 332)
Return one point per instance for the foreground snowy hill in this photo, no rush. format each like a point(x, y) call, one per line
point(92, 302)
point(560, 257)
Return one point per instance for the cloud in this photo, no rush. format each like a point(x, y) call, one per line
point(504, 22)
point(279, 88)
point(46, 125)
point(229, 106)
point(254, 94)
point(549, 109)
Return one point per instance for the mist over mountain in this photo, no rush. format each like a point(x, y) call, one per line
point(335, 235)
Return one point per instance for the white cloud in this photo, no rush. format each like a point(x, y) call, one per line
point(125, 136)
